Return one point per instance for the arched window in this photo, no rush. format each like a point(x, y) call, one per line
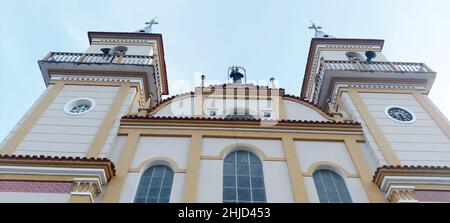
point(155, 185)
point(243, 179)
point(331, 187)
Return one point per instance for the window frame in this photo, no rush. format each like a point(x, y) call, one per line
point(155, 165)
point(338, 190)
point(253, 160)
point(77, 102)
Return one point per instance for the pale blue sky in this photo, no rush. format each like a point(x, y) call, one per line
point(269, 38)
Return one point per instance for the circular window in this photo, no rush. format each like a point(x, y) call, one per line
point(400, 114)
point(79, 106)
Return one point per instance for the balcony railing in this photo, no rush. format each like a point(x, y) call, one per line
point(376, 66)
point(97, 58)
point(364, 66)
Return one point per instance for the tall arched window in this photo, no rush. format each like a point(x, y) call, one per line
point(331, 187)
point(155, 185)
point(243, 179)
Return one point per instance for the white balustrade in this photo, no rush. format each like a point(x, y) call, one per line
point(376, 66)
point(99, 58)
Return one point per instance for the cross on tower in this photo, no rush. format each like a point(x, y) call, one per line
point(313, 26)
point(148, 28)
point(319, 33)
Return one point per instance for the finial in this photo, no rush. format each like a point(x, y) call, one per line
point(148, 28)
point(203, 77)
point(272, 82)
point(319, 33)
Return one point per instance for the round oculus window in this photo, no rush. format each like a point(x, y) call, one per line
point(400, 114)
point(79, 106)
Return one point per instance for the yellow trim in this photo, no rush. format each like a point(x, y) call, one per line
point(282, 114)
point(251, 148)
point(148, 163)
point(116, 43)
point(432, 187)
point(359, 161)
point(275, 159)
point(108, 122)
point(78, 198)
point(377, 134)
point(295, 173)
point(242, 134)
point(438, 119)
point(193, 169)
point(33, 177)
point(33, 117)
point(114, 188)
point(315, 166)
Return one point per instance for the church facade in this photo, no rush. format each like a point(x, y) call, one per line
point(362, 130)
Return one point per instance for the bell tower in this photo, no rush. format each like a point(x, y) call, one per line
point(88, 92)
point(400, 123)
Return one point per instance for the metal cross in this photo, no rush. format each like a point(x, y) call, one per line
point(148, 28)
point(313, 26)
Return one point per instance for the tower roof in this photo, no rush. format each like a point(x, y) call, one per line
point(331, 41)
point(139, 35)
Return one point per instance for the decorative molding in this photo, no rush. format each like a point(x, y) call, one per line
point(311, 130)
point(95, 173)
point(86, 187)
point(401, 194)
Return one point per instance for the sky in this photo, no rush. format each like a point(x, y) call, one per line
point(268, 38)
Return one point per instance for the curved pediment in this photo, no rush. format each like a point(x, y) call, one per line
point(276, 107)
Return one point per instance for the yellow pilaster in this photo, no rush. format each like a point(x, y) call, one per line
point(365, 174)
point(75, 198)
point(114, 188)
point(108, 122)
point(295, 173)
point(379, 137)
point(438, 119)
point(34, 116)
point(193, 169)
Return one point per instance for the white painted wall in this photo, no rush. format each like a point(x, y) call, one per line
point(213, 146)
point(184, 107)
point(132, 50)
point(21, 197)
point(57, 133)
point(174, 148)
point(109, 143)
point(419, 143)
point(340, 55)
point(311, 152)
point(210, 181)
point(31, 109)
point(373, 151)
point(276, 175)
point(277, 182)
point(298, 111)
